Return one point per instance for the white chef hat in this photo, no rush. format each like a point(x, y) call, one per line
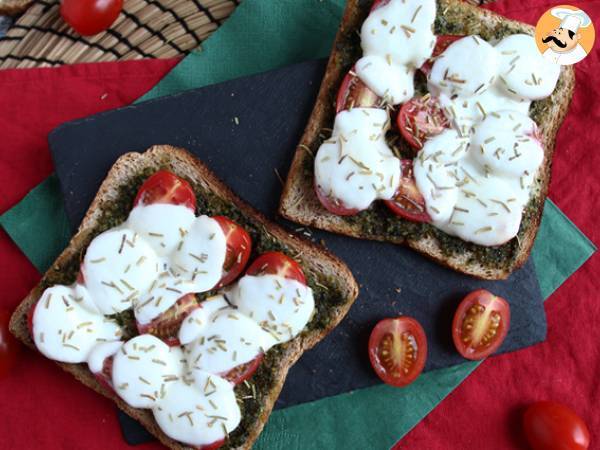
point(571, 19)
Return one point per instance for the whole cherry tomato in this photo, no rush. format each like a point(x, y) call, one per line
point(89, 17)
point(554, 426)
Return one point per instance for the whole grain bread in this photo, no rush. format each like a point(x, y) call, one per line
point(323, 271)
point(13, 7)
point(300, 204)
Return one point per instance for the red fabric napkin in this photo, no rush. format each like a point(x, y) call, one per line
point(34, 102)
point(486, 410)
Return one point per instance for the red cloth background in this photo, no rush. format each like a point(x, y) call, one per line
point(45, 409)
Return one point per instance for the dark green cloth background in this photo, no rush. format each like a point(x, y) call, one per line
point(263, 35)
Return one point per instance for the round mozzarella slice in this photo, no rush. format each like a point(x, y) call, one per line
point(65, 331)
point(163, 226)
point(118, 266)
point(201, 256)
point(393, 83)
point(143, 370)
point(228, 339)
point(453, 72)
point(198, 413)
point(524, 72)
point(193, 326)
point(277, 304)
point(99, 354)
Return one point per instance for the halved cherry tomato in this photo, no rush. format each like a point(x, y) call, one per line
point(378, 3)
point(166, 326)
point(89, 17)
point(244, 371)
point(214, 446)
point(334, 205)
point(441, 44)
point(553, 426)
point(353, 93)
point(239, 246)
point(276, 263)
point(480, 324)
point(419, 119)
point(166, 187)
point(398, 350)
point(104, 377)
point(408, 201)
point(9, 346)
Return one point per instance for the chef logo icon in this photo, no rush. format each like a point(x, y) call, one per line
point(565, 35)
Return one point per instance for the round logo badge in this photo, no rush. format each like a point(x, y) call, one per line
point(565, 35)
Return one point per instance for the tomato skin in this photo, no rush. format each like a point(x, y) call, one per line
point(166, 188)
point(553, 426)
point(408, 202)
point(244, 371)
point(498, 308)
point(89, 17)
point(394, 330)
point(353, 93)
point(276, 263)
point(419, 119)
point(334, 206)
point(441, 44)
point(239, 247)
point(9, 346)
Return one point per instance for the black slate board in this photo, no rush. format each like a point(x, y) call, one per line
point(272, 110)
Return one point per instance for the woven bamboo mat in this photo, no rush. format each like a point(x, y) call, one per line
point(145, 29)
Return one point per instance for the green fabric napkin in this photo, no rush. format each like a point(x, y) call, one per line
point(263, 35)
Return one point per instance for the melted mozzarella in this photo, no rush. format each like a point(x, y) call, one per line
point(65, 331)
point(277, 304)
point(524, 72)
point(198, 412)
point(143, 370)
point(163, 226)
point(355, 166)
point(118, 266)
point(396, 38)
point(99, 354)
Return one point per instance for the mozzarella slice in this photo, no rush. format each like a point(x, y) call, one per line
point(99, 354)
point(65, 331)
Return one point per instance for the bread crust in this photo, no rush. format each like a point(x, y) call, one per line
point(313, 259)
point(299, 202)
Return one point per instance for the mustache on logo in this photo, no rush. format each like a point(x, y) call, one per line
point(555, 40)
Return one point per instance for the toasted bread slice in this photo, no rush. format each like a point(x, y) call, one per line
point(333, 285)
point(13, 7)
point(299, 203)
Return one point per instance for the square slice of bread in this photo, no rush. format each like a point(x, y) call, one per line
point(332, 282)
point(299, 202)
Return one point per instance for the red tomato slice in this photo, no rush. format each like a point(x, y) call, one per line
point(398, 350)
point(214, 446)
point(408, 201)
point(379, 3)
point(353, 93)
point(419, 119)
point(166, 326)
point(244, 371)
point(276, 263)
point(89, 17)
point(104, 377)
point(165, 187)
point(333, 205)
point(239, 246)
point(480, 324)
point(553, 426)
point(442, 43)
point(9, 346)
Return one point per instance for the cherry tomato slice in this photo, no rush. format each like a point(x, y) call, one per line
point(166, 326)
point(166, 187)
point(104, 377)
point(214, 446)
point(408, 201)
point(89, 17)
point(333, 205)
point(276, 263)
point(480, 324)
point(553, 426)
point(239, 246)
point(398, 350)
point(419, 119)
point(244, 371)
point(441, 44)
point(353, 93)
point(378, 3)
point(9, 346)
